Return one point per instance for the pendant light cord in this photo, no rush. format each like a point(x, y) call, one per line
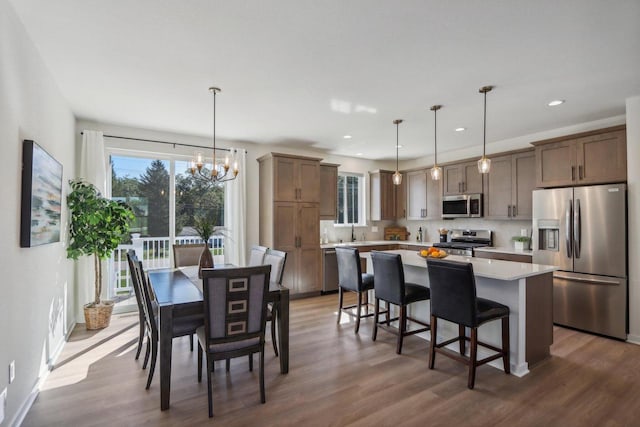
point(484, 137)
point(397, 133)
point(214, 129)
point(435, 134)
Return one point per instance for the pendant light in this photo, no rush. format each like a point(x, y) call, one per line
point(436, 171)
point(397, 177)
point(484, 164)
point(218, 174)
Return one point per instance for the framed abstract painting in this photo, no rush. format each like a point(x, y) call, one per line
point(41, 196)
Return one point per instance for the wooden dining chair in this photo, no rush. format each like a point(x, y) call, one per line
point(235, 315)
point(277, 260)
point(187, 255)
point(132, 260)
point(256, 256)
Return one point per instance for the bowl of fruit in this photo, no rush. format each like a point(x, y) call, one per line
point(432, 252)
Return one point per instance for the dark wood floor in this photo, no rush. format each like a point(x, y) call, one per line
point(338, 378)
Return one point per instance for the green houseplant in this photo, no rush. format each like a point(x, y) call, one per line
point(97, 226)
point(521, 242)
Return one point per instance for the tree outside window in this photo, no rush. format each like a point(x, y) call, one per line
point(350, 199)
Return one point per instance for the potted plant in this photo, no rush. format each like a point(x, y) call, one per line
point(205, 229)
point(521, 242)
point(98, 225)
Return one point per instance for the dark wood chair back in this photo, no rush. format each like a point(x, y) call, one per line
point(453, 291)
point(187, 254)
point(132, 260)
point(389, 272)
point(235, 304)
point(349, 269)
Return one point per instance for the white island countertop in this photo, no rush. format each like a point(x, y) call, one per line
point(482, 267)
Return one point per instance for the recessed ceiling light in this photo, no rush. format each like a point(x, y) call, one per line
point(358, 154)
point(460, 129)
point(398, 146)
point(347, 137)
point(556, 102)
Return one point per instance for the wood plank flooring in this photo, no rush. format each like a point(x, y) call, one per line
point(337, 378)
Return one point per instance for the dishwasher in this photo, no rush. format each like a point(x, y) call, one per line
point(329, 271)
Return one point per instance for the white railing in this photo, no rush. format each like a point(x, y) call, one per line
point(154, 252)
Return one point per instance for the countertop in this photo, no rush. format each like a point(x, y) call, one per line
point(374, 243)
point(482, 267)
point(504, 250)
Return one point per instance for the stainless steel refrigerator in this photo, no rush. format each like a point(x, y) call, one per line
point(583, 231)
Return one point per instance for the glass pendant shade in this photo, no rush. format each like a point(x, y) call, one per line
point(436, 173)
point(397, 178)
point(484, 165)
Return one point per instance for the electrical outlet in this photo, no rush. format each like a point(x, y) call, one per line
point(374, 229)
point(12, 371)
point(3, 404)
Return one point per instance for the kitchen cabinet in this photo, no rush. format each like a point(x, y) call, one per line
point(501, 255)
point(292, 225)
point(386, 199)
point(295, 178)
point(509, 185)
point(424, 196)
point(462, 178)
point(596, 157)
point(329, 193)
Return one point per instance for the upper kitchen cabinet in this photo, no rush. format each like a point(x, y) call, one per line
point(509, 185)
point(596, 157)
point(295, 178)
point(424, 196)
point(386, 199)
point(329, 191)
point(462, 178)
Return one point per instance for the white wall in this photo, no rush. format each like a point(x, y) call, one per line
point(36, 290)
point(633, 201)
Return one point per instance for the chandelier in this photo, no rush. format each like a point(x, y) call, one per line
point(219, 172)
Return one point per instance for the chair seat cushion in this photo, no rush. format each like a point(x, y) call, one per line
point(413, 293)
point(367, 281)
point(489, 310)
point(187, 326)
point(229, 346)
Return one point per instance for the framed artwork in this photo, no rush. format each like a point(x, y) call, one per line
point(41, 196)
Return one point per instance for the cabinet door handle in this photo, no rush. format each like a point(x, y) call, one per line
point(513, 210)
point(580, 172)
point(509, 211)
point(573, 173)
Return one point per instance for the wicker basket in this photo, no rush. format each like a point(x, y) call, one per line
point(98, 316)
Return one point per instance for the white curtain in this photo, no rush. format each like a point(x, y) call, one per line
point(93, 169)
point(235, 222)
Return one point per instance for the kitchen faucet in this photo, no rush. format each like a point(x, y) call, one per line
point(353, 234)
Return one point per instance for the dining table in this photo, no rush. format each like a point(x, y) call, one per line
point(178, 293)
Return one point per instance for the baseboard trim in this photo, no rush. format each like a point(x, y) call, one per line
point(18, 419)
point(633, 339)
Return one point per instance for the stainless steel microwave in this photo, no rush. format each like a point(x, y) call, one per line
point(462, 206)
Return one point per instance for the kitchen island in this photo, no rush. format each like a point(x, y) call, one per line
point(527, 289)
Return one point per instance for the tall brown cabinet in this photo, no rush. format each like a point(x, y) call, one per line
point(290, 216)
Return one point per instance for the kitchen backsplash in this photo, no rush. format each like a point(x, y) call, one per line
point(503, 231)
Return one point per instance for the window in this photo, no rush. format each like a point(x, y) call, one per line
point(351, 199)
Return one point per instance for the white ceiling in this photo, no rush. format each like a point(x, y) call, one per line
point(305, 72)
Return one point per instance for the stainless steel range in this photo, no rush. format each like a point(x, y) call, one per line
point(463, 242)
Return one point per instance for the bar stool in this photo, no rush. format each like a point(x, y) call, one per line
point(351, 279)
point(391, 287)
point(453, 298)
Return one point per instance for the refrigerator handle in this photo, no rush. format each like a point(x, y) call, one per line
point(577, 219)
point(567, 227)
